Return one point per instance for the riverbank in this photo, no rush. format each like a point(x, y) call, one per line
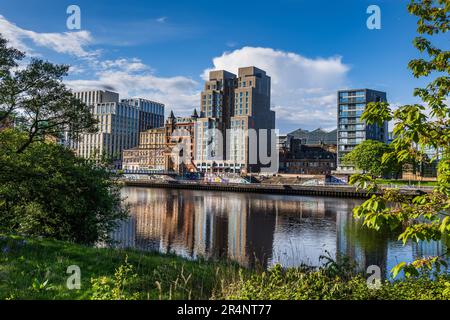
point(340, 191)
point(37, 269)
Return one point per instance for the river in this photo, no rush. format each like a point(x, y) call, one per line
point(258, 229)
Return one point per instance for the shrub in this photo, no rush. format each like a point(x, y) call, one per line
point(47, 191)
point(300, 284)
point(104, 288)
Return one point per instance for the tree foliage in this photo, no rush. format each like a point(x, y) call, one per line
point(367, 156)
point(417, 129)
point(44, 189)
point(47, 191)
point(37, 94)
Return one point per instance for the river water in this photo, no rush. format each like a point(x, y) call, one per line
point(258, 229)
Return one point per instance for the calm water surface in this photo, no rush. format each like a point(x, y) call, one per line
point(258, 229)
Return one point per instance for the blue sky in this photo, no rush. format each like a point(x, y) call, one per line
point(162, 49)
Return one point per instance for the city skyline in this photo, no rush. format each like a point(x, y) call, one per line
point(160, 53)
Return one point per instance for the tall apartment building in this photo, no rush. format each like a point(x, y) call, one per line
point(351, 129)
point(216, 106)
point(232, 105)
point(119, 123)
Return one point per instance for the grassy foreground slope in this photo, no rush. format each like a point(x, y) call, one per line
point(36, 269)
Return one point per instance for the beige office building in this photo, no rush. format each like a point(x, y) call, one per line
point(168, 148)
point(149, 155)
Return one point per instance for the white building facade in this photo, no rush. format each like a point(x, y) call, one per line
point(119, 124)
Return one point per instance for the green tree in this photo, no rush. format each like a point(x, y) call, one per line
point(367, 157)
point(47, 191)
point(9, 59)
point(38, 94)
point(417, 129)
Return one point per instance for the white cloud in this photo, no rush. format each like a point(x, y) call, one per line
point(178, 93)
point(130, 77)
point(303, 89)
point(72, 43)
point(127, 65)
point(76, 69)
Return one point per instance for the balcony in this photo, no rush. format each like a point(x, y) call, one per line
point(352, 100)
point(344, 120)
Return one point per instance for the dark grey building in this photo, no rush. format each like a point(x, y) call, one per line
point(315, 137)
point(351, 129)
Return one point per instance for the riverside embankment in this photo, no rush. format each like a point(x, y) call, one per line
point(341, 191)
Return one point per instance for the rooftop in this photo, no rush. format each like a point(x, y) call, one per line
point(317, 136)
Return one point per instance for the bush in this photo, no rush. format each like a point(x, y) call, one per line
point(300, 284)
point(48, 191)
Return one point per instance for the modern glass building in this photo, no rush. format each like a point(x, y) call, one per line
point(351, 129)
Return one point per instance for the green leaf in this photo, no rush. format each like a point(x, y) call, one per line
point(397, 269)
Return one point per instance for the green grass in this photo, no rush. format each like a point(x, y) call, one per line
point(36, 269)
point(26, 264)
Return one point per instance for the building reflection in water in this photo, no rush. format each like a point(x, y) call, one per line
point(257, 229)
